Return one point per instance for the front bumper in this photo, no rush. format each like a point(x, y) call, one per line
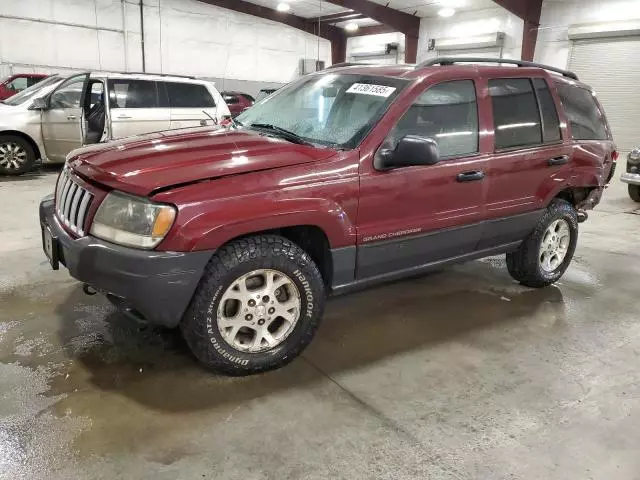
point(631, 178)
point(156, 286)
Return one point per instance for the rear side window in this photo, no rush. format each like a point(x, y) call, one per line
point(550, 121)
point(447, 113)
point(586, 119)
point(515, 113)
point(125, 93)
point(189, 95)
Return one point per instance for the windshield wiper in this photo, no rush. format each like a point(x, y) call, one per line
point(286, 134)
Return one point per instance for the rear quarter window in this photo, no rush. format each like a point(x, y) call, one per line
point(585, 118)
point(189, 95)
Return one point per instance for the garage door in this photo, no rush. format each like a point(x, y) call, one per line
point(612, 68)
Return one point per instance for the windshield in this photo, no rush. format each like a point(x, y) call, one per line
point(31, 92)
point(262, 94)
point(336, 110)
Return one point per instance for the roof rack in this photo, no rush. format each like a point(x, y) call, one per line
point(191, 77)
point(347, 64)
point(519, 63)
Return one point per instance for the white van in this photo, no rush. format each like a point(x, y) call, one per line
point(53, 119)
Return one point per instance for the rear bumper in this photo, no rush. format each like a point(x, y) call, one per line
point(158, 286)
point(631, 178)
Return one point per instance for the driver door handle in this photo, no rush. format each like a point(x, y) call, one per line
point(562, 160)
point(470, 176)
point(123, 117)
point(71, 117)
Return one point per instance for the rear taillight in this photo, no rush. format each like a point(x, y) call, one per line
point(614, 156)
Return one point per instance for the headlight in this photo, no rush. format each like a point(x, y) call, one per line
point(132, 221)
point(634, 156)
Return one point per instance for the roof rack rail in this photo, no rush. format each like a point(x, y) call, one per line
point(156, 74)
point(519, 63)
point(346, 64)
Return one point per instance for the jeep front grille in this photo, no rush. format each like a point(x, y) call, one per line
point(72, 203)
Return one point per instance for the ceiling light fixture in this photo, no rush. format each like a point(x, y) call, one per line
point(351, 27)
point(447, 12)
point(283, 7)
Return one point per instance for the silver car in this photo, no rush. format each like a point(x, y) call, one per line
point(59, 114)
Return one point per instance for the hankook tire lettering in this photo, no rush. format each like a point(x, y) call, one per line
point(307, 292)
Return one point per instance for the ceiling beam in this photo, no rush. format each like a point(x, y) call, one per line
point(371, 30)
point(529, 11)
point(522, 8)
point(400, 21)
point(337, 17)
point(335, 35)
point(327, 32)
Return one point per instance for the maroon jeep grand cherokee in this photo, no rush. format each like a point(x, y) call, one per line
point(348, 177)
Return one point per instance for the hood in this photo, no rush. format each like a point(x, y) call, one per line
point(16, 117)
point(140, 165)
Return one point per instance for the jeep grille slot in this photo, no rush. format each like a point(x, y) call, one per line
point(72, 203)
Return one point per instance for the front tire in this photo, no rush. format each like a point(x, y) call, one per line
point(634, 193)
point(16, 155)
point(546, 253)
point(257, 307)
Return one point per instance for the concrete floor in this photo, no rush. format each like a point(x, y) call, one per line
point(460, 374)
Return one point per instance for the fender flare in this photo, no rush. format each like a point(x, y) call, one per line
point(324, 214)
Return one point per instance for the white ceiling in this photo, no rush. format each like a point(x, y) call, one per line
point(421, 8)
point(361, 22)
point(304, 8)
point(429, 8)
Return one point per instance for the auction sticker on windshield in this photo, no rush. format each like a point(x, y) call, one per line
point(366, 89)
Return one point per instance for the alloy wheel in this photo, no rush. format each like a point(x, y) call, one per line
point(259, 310)
point(12, 156)
point(554, 245)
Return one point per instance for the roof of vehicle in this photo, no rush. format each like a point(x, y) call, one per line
point(413, 72)
point(233, 92)
point(27, 74)
point(149, 76)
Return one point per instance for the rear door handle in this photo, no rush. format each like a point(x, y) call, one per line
point(562, 160)
point(71, 117)
point(470, 176)
point(123, 117)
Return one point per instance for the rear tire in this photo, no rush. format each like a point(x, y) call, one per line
point(634, 193)
point(16, 155)
point(546, 253)
point(257, 307)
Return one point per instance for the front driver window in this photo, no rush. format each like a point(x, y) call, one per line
point(446, 113)
point(69, 94)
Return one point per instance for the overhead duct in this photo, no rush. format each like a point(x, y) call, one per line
point(491, 40)
point(604, 29)
point(375, 50)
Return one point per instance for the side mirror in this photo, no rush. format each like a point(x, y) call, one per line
point(411, 150)
point(39, 103)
